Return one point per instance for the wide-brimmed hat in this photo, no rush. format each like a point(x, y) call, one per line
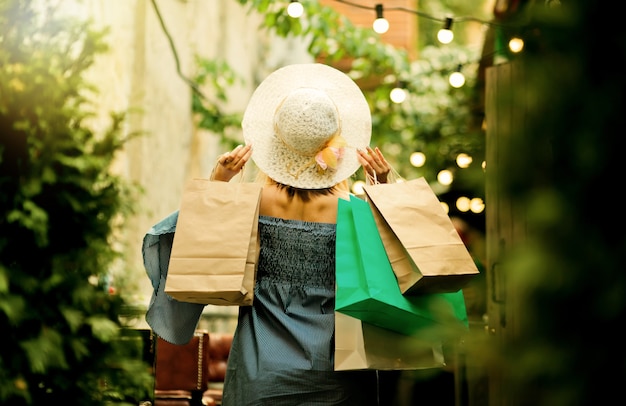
point(305, 123)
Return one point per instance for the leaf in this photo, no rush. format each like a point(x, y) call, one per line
point(103, 328)
point(45, 352)
point(74, 317)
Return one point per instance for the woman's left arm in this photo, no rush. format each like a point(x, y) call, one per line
point(374, 164)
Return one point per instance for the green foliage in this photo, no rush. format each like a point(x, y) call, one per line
point(435, 119)
point(216, 77)
point(59, 208)
point(568, 274)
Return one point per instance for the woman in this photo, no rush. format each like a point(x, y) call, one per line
point(307, 128)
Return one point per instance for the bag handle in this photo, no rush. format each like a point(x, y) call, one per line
point(392, 177)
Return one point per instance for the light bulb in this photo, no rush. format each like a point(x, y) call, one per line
point(295, 9)
point(516, 44)
point(417, 159)
point(445, 207)
point(381, 25)
point(463, 160)
point(477, 205)
point(463, 203)
point(445, 177)
point(397, 95)
point(358, 187)
point(445, 34)
point(457, 79)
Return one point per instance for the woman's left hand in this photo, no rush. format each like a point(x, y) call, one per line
point(374, 164)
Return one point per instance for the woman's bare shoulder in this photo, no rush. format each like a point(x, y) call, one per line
point(276, 202)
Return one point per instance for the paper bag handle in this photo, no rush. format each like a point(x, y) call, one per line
point(393, 177)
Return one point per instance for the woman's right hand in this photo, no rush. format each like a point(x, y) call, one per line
point(231, 163)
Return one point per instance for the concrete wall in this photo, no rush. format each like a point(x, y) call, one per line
point(139, 75)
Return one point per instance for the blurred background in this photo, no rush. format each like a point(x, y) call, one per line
point(512, 114)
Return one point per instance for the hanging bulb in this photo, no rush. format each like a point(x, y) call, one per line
point(463, 203)
point(358, 187)
point(516, 44)
point(477, 205)
point(381, 25)
point(445, 35)
point(457, 79)
point(417, 159)
point(445, 177)
point(398, 93)
point(295, 9)
point(463, 160)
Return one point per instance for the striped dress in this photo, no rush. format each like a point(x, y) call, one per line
point(282, 352)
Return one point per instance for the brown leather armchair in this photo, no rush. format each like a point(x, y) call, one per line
point(191, 374)
point(219, 349)
point(181, 371)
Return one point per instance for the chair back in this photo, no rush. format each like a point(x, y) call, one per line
point(183, 367)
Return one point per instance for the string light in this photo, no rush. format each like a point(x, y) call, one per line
point(445, 34)
point(358, 187)
point(516, 44)
point(421, 14)
point(445, 177)
point(445, 207)
point(295, 9)
point(463, 204)
point(477, 205)
point(398, 93)
point(446, 31)
point(417, 159)
point(457, 79)
point(380, 25)
point(463, 160)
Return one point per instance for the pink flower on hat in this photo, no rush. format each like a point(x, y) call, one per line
point(330, 155)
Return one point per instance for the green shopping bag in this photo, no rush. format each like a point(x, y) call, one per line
point(367, 288)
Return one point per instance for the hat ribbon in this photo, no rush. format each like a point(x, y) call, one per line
point(327, 157)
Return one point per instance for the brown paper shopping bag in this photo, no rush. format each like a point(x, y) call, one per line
point(215, 248)
point(366, 287)
point(360, 345)
point(425, 250)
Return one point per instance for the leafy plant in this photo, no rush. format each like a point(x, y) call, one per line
point(60, 207)
point(217, 76)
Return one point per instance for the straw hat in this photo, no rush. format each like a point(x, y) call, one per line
point(305, 123)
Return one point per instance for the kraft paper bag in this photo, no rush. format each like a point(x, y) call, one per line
point(425, 250)
point(215, 248)
point(360, 345)
point(367, 289)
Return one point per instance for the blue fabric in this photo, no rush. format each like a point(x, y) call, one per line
point(173, 321)
point(283, 349)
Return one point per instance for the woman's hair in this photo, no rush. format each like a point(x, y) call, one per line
point(303, 194)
